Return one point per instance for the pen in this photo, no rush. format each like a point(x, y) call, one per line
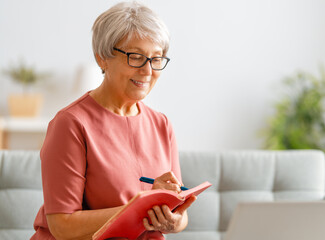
point(151, 180)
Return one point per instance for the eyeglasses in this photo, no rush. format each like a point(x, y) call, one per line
point(138, 60)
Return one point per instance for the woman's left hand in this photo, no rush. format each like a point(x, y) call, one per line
point(164, 220)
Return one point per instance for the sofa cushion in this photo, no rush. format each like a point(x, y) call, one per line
point(298, 171)
point(16, 234)
point(195, 235)
point(20, 169)
point(20, 193)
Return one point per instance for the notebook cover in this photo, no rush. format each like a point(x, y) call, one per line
point(128, 222)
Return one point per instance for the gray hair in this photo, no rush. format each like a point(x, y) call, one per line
point(127, 19)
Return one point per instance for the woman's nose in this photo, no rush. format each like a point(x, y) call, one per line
point(146, 69)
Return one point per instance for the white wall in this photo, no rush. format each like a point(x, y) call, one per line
point(228, 58)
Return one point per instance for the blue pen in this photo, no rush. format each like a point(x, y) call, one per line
point(151, 180)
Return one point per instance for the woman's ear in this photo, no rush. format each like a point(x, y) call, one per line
point(101, 62)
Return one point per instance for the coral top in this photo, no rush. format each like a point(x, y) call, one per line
point(93, 158)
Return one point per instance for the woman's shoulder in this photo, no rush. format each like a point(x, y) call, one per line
point(75, 111)
point(148, 110)
point(154, 114)
point(76, 104)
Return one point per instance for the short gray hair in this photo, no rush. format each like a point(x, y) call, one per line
point(127, 19)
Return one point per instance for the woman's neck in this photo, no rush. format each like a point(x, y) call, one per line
point(122, 108)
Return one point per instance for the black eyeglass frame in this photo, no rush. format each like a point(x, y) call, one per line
point(148, 59)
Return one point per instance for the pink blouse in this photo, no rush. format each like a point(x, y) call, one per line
point(93, 158)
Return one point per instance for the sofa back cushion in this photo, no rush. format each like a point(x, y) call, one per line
point(239, 176)
point(20, 192)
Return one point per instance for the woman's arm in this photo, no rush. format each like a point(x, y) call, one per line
point(79, 225)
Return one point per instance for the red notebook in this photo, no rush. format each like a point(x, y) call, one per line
point(128, 222)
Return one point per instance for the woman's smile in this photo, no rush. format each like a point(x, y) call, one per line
point(141, 84)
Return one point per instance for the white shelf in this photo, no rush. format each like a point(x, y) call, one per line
point(33, 125)
point(22, 133)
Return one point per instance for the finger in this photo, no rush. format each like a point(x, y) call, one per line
point(181, 209)
point(174, 187)
point(167, 181)
point(167, 186)
point(153, 218)
point(159, 214)
point(167, 213)
point(147, 225)
point(170, 176)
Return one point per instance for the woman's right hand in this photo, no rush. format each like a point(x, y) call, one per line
point(167, 181)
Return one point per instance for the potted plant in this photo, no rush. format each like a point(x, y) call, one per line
point(298, 122)
point(27, 103)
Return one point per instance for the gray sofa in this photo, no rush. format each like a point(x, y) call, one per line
point(236, 176)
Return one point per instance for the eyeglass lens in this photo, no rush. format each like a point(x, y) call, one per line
point(138, 60)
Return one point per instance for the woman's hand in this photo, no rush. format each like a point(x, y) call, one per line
point(164, 220)
point(161, 217)
point(167, 181)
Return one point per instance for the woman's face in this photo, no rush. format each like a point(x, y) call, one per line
point(126, 83)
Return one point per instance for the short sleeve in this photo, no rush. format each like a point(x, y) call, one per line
point(63, 158)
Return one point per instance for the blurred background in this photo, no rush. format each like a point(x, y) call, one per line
point(229, 59)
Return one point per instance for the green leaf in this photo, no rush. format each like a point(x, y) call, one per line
point(298, 122)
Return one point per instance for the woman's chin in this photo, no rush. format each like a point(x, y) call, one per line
point(139, 96)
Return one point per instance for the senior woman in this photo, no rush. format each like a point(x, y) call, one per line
point(98, 147)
